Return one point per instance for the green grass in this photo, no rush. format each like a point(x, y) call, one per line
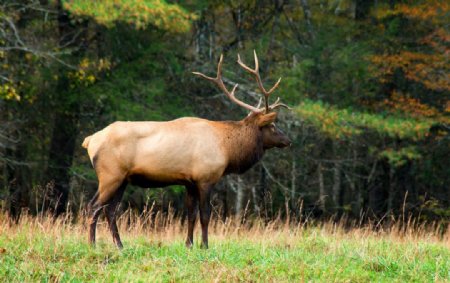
point(39, 250)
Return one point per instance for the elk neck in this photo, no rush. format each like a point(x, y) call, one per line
point(243, 144)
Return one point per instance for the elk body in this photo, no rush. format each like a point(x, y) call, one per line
point(192, 152)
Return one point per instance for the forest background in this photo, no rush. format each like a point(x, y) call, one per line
point(368, 82)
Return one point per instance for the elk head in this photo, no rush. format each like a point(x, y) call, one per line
point(263, 118)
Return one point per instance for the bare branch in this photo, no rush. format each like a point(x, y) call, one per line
point(16, 32)
point(17, 44)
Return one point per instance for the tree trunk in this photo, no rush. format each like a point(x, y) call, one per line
point(239, 196)
point(62, 144)
point(224, 197)
point(264, 193)
point(337, 169)
point(362, 9)
point(278, 6)
point(60, 159)
point(337, 186)
point(308, 16)
point(16, 178)
point(18, 187)
point(391, 191)
point(293, 192)
point(256, 201)
point(212, 37)
point(322, 194)
point(378, 193)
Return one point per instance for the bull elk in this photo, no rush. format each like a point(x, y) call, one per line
point(187, 151)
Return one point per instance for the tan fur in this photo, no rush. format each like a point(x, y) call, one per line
point(192, 152)
point(86, 142)
point(242, 143)
point(186, 148)
point(264, 120)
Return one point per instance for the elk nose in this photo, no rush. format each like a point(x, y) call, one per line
point(287, 143)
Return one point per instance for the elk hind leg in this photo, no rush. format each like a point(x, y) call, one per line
point(111, 213)
point(100, 199)
point(94, 210)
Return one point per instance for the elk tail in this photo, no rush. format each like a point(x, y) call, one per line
point(86, 141)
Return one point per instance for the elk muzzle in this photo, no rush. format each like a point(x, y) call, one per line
point(274, 137)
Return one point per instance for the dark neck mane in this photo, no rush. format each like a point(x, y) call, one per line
point(243, 144)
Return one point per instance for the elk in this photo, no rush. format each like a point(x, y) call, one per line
point(188, 151)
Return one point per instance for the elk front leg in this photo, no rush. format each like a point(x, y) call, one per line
point(191, 202)
point(205, 212)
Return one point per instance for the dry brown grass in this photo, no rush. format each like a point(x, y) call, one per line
point(166, 227)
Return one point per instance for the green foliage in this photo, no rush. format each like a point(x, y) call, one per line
point(342, 123)
point(138, 13)
point(399, 157)
point(139, 90)
point(9, 92)
point(334, 66)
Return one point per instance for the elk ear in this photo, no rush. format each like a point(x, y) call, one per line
point(267, 119)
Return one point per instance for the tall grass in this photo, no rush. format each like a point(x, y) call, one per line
point(241, 249)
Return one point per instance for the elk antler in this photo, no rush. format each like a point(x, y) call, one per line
point(218, 80)
point(277, 104)
point(266, 93)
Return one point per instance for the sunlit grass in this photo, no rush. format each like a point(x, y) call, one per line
point(39, 249)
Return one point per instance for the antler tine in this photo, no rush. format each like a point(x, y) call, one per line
point(219, 72)
point(203, 76)
point(259, 103)
point(247, 68)
point(277, 104)
point(257, 106)
point(256, 61)
point(273, 106)
point(275, 86)
point(219, 67)
point(276, 101)
point(219, 82)
point(255, 72)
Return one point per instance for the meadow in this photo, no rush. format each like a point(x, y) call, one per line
point(41, 249)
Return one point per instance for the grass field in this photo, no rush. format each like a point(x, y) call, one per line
point(38, 249)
